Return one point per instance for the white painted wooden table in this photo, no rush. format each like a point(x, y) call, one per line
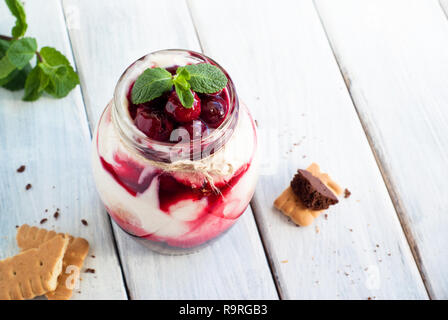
point(361, 87)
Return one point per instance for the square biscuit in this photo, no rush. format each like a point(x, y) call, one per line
point(77, 250)
point(33, 272)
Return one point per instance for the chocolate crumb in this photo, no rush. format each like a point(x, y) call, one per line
point(347, 193)
point(17, 227)
point(46, 210)
point(21, 169)
point(28, 186)
point(43, 221)
point(326, 216)
point(256, 123)
point(84, 222)
point(89, 270)
point(56, 215)
point(312, 191)
point(93, 256)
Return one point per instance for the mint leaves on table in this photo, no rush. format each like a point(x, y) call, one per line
point(52, 72)
point(202, 78)
point(17, 11)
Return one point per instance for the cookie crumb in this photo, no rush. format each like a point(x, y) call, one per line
point(84, 222)
point(347, 193)
point(43, 221)
point(28, 186)
point(284, 261)
point(21, 169)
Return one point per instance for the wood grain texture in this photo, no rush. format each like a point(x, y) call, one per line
point(106, 37)
point(398, 73)
point(51, 138)
point(283, 67)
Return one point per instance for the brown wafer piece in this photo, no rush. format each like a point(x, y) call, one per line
point(77, 250)
point(291, 206)
point(33, 272)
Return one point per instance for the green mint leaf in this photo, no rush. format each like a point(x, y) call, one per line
point(206, 78)
point(16, 79)
point(53, 57)
point(62, 77)
point(62, 80)
point(17, 10)
point(183, 73)
point(4, 45)
point(151, 84)
point(185, 96)
point(35, 84)
point(181, 78)
point(6, 67)
point(21, 51)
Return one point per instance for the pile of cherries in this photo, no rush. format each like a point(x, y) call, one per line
point(159, 117)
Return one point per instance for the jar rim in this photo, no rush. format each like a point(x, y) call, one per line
point(145, 145)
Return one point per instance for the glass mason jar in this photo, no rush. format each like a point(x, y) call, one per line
point(174, 197)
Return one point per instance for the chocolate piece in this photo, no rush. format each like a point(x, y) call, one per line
point(28, 186)
point(84, 222)
point(21, 169)
point(314, 193)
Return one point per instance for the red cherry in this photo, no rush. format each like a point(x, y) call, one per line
point(153, 123)
point(197, 129)
point(178, 112)
point(214, 110)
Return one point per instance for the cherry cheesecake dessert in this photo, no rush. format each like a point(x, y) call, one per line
point(174, 152)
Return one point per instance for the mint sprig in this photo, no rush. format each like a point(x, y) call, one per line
point(52, 72)
point(202, 78)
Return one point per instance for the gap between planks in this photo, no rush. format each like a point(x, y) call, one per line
point(90, 127)
point(391, 189)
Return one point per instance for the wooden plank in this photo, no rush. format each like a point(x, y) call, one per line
point(51, 137)
point(284, 69)
point(394, 56)
point(233, 267)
